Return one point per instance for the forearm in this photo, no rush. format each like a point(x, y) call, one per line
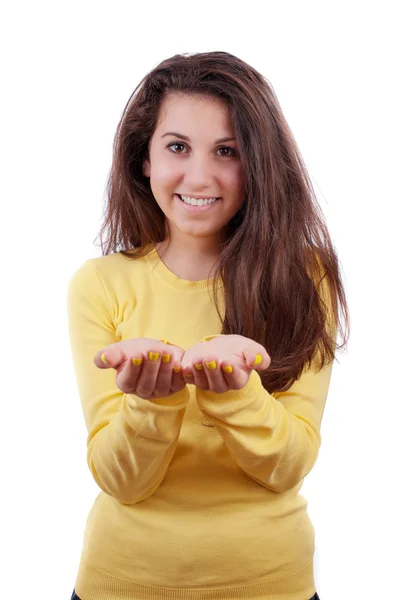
point(129, 457)
point(275, 446)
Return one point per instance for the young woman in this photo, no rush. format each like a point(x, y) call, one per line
point(203, 342)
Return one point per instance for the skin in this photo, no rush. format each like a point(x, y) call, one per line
point(158, 379)
point(195, 167)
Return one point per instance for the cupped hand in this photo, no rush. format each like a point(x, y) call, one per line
point(223, 363)
point(145, 367)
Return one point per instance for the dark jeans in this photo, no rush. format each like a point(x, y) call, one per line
point(75, 597)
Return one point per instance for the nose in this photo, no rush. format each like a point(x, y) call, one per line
point(199, 174)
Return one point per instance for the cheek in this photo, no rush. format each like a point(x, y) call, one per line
point(233, 176)
point(166, 174)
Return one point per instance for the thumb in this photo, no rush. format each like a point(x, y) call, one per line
point(109, 357)
point(254, 359)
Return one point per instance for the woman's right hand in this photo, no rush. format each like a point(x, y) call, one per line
point(151, 378)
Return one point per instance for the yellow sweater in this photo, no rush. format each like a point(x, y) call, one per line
point(199, 491)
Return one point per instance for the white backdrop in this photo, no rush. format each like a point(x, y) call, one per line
point(68, 69)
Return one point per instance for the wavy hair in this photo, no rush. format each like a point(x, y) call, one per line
point(280, 270)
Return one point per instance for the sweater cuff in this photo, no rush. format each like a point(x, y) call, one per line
point(179, 400)
point(232, 401)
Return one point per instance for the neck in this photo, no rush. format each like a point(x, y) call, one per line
point(192, 261)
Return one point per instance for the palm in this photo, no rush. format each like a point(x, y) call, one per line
point(224, 347)
point(236, 352)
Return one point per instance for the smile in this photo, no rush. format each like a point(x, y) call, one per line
point(197, 201)
point(197, 206)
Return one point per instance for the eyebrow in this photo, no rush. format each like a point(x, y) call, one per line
point(185, 137)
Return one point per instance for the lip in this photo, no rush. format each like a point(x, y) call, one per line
point(196, 209)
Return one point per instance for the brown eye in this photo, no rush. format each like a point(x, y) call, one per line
point(175, 144)
point(234, 153)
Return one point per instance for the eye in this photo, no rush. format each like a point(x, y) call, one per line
point(233, 151)
point(175, 144)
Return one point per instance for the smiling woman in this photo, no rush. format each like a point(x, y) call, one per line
point(200, 477)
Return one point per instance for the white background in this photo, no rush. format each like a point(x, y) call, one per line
point(68, 68)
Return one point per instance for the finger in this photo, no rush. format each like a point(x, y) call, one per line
point(149, 373)
point(175, 380)
point(233, 375)
point(165, 380)
point(187, 374)
point(178, 382)
point(164, 376)
point(214, 373)
point(199, 376)
point(112, 356)
point(128, 376)
point(257, 358)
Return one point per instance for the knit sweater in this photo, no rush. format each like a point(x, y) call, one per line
point(199, 491)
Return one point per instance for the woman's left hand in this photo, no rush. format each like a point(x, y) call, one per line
point(225, 362)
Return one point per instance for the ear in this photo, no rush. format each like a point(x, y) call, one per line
point(146, 168)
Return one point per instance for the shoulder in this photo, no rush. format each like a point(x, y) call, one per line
point(110, 266)
point(100, 267)
point(115, 275)
point(111, 263)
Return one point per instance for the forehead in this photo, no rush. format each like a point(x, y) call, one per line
point(194, 113)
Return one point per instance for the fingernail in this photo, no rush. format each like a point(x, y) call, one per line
point(211, 365)
point(199, 367)
point(176, 369)
point(137, 361)
point(165, 357)
point(153, 356)
point(103, 359)
point(228, 369)
point(258, 360)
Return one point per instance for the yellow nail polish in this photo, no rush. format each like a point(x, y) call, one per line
point(258, 360)
point(103, 359)
point(176, 369)
point(165, 357)
point(166, 342)
point(153, 356)
point(228, 369)
point(137, 361)
point(199, 367)
point(211, 365)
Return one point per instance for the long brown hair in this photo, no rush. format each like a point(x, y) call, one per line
point(279, 268)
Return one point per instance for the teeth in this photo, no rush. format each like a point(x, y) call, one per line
point(196, 202)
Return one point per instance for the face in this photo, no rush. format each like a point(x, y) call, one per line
point(196, 165)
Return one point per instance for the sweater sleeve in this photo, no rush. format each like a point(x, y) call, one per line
point(275, 438)
point(131, 441)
